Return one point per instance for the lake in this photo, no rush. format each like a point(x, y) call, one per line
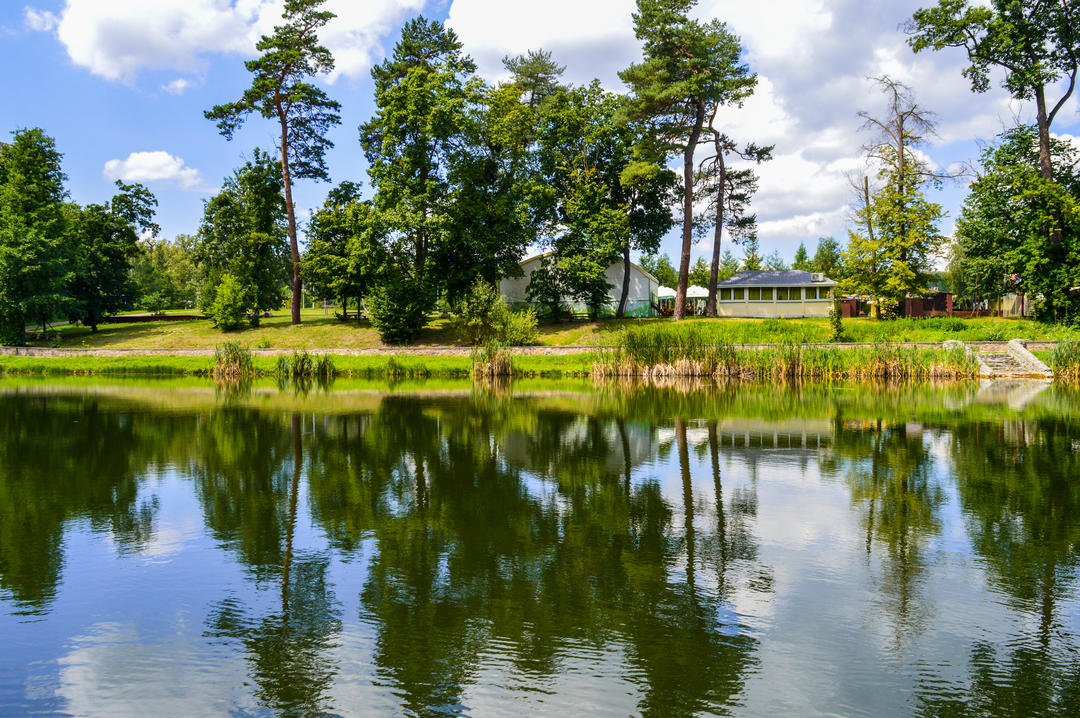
point(542, 548)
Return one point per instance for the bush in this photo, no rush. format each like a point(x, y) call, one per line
point(482, 317)
point(519, 329)
point(227, 311)
point(398, 309)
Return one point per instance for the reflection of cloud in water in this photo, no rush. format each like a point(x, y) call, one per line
point(114, 670)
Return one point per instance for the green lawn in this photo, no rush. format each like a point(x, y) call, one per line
point(356, 366)
point(325, 332)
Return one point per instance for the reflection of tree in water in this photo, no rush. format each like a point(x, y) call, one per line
point(242, 479)
point(63, 459)
point(288, 649)
point(888, 475)
point(1021, 497)
point(467, 555)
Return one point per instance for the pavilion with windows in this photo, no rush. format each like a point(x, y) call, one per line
point(765, 293)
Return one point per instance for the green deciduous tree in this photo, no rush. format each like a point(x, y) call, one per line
point(1036, 44)
point(892, 255)
point(611, 195)
point(689, 67)
point(342, 247)
point(498, 199)
point(32, 233)
point(244, 232)
point(281, 90)
point(165, 274)
point(423, 94)
point(102, 243)
point(1009, 216)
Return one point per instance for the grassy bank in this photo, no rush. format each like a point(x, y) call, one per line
point(344, 366)
point(319, 331)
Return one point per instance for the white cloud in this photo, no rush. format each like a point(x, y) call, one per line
point(39, 20)
point(177, 87)
point(119, 39)
point(156, 166)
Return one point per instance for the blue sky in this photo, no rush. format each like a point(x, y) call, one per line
point(122, 84)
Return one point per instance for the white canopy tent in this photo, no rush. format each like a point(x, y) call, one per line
point(696, 292)
point(665, 293)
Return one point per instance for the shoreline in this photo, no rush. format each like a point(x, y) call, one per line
point(464, 351)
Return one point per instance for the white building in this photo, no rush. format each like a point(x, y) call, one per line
point(640, 299)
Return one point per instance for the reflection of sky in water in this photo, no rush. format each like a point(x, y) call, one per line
point(837, 627)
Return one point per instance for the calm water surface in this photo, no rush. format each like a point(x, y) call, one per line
point(543, 550)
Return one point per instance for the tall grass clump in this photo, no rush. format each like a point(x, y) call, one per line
point(660, 355)
point(232, 361)
point(302, 365)
point(1064, 361)
point(491, 360)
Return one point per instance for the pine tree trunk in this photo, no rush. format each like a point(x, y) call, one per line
point(688, 211)
point(625, 282)
point(714, 272)
point(294, 248)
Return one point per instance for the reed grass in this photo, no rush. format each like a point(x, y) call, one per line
point(492, 360)
point(1064, 361)
point(302, 365)
point(232, 362)
point(659, 355)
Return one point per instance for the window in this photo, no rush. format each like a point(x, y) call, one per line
point(738, 295)
point(825, 293)
point(725, 295)
point(761, 295)
point(785, 294)
point(811, 292)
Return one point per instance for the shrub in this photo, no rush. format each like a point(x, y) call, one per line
point(230, 304)
point(836, 322)
point(519, 328)
point(482, 317)
point(398, 308)
point(153, 303)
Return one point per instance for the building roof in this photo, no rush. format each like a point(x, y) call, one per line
point(768, 278)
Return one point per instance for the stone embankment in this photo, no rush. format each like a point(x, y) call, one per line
point(1012, 360)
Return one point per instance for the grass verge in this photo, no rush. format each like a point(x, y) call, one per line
point(398, 366)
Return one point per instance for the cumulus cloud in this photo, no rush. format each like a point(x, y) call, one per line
point(39, 20)
point(119, 39)
point(177, 87)
point(155, 166)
